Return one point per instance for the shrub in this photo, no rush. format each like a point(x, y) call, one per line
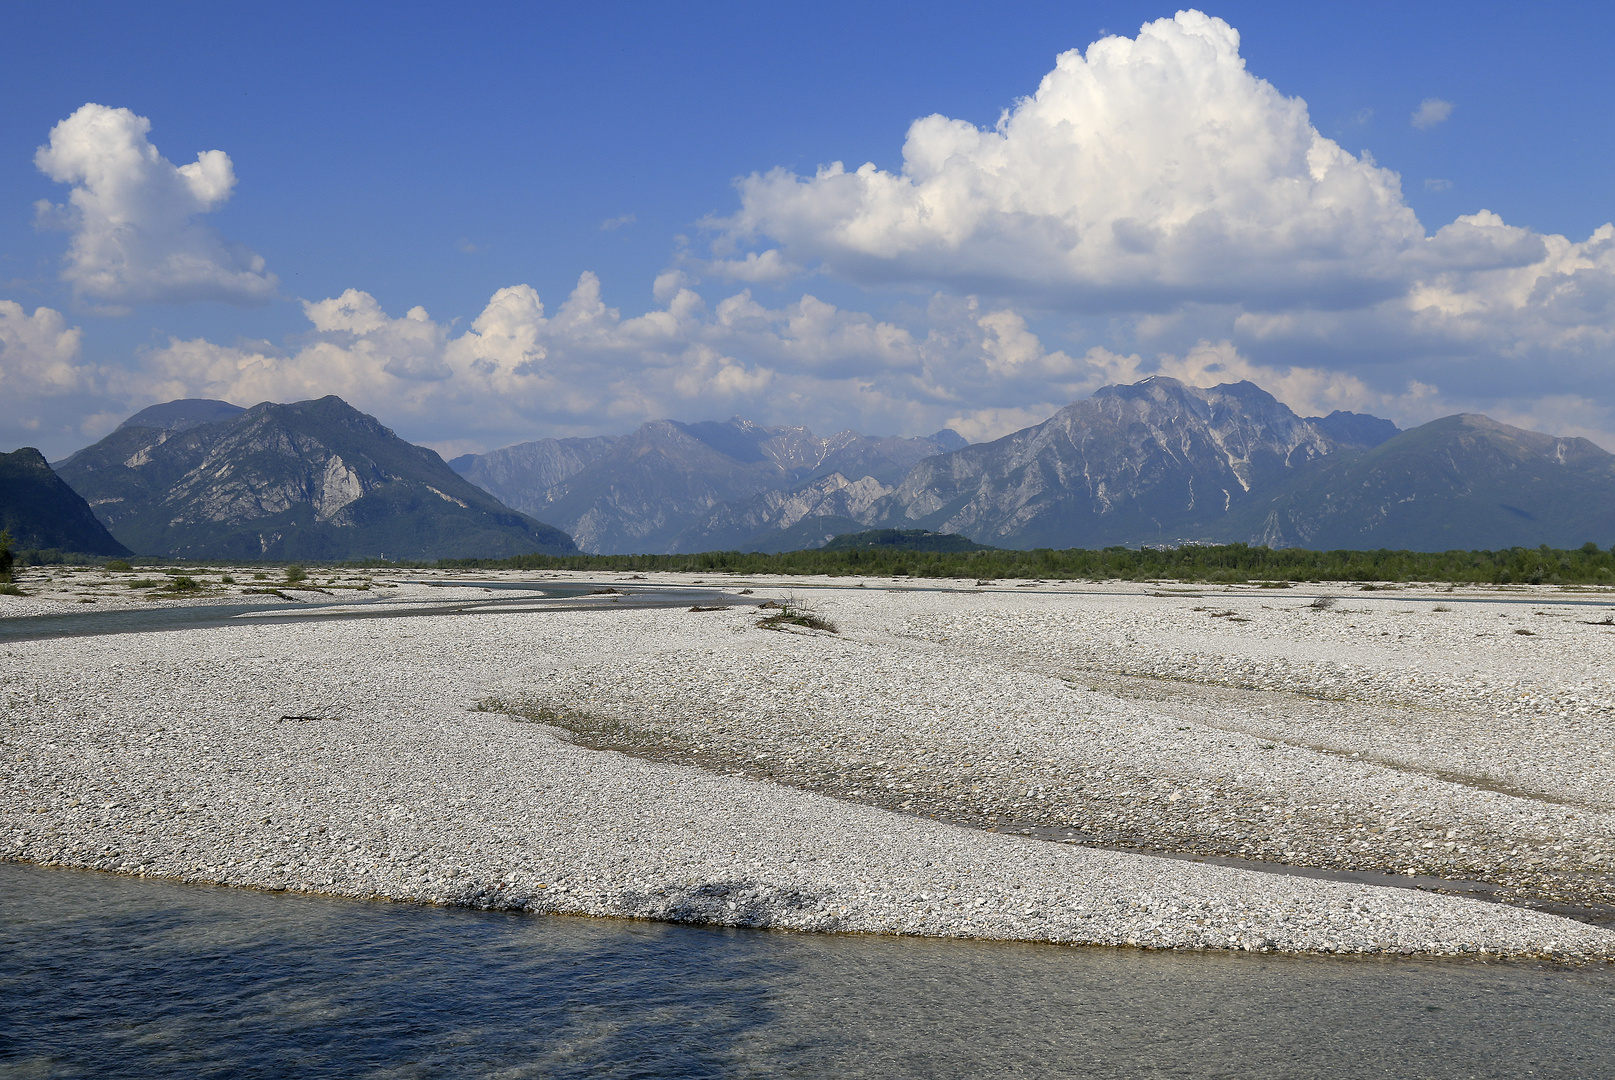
point(295, 574)
point(227, 580)
point(795, 613)
point(7, 559)
point(117, 566)
point(183, 583)
point(143, 583)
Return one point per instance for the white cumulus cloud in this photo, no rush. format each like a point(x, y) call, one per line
point(520, 370)
point(55, 400)
point(39, 353)
point(1142, 172)
point(139, 234)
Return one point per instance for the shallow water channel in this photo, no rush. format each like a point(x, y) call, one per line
point(502, 596)
point(107, 976)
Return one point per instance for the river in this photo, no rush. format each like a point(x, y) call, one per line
point(107, 976)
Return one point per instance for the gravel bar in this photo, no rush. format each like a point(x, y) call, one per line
point(692, 766)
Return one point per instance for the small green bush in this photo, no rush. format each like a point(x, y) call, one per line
point(183, 583)
point(295, 574)
point(118, 566)
point(227, 580)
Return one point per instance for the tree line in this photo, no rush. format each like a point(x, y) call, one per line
point(1224, 563)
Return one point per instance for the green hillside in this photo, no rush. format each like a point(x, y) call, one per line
point(1461, 481)
point(42, 512)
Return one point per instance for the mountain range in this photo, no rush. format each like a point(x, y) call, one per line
point(1156, 462)
point(1463, 482)
point(695, 487)
point(1149, 463)
point(1161, 462)
point(311, 480)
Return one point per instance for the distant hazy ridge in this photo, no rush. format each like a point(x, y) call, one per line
point(1155, 462)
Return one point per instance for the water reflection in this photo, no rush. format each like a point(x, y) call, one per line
point(102, 976)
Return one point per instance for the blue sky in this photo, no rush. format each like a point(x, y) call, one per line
point(427, 157)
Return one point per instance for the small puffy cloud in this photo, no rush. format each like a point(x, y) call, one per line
point(1562, 301)
point(519, 370)
point(757, 268)
point(611, 224)
point(137, 221)
point(1437, 185)
point(1431, 111)
point(1011, 351)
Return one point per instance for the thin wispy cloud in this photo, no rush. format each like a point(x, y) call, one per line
point(611, 224)
point(1431, 111)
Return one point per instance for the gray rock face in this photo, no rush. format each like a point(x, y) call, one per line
point(761, 521)
point(1156, 461)
point(309, 480)
point(694, 487)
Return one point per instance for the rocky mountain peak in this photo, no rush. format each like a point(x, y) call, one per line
point(309, 479)
point(184, 414)
point(1131, 463)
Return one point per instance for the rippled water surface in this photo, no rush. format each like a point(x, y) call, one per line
point(105, 976)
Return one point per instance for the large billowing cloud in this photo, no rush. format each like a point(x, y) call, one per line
point(138, 231)
point(1141, 173)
